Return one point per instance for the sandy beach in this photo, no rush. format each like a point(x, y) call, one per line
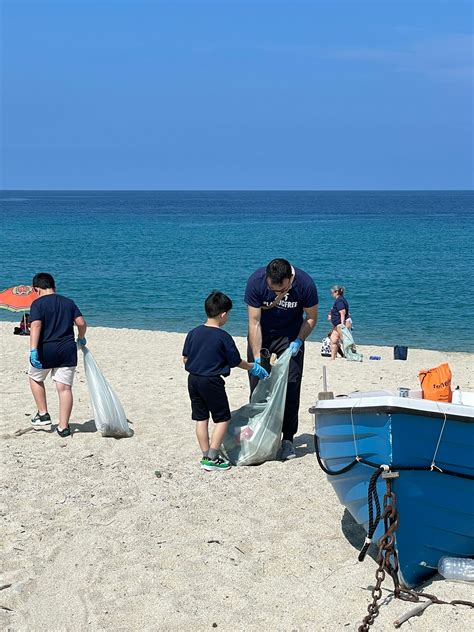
point(104, 534)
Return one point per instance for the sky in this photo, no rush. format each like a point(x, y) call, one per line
point(237, 95)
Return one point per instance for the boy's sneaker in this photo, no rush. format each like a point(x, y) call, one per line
point(41, 420)
point(65, 432)
point(217, 464)
point(287, 451)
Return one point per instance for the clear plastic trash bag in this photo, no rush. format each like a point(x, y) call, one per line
point(109, 416)
point(254, 433)
point(348, 346)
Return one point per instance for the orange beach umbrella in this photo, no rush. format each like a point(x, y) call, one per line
point(18, 298)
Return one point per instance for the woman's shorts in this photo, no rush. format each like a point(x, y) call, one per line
point(63, 374)
point(208, 396)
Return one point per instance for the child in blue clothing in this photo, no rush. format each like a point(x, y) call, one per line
point(209, 354)
point(53, 350)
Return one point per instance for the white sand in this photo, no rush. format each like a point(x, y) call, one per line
point(94, 540)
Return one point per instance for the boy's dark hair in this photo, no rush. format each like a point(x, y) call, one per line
point(278, 269)
point(217, 303)
point(44, 281)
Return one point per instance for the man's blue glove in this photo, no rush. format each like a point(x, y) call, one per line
point(82, 341)
point(295, 346)
point(34, 359)
point(258, 371)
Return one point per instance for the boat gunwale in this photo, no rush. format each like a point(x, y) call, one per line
point(387, 408)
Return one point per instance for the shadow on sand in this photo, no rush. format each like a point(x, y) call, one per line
point(355, 534)
point(304, 444)
point(87, 426)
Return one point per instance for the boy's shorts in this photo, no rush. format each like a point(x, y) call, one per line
point(63, 374)
point(208, 396)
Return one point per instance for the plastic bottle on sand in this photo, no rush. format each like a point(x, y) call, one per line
point(457, 396)
point(459, 569)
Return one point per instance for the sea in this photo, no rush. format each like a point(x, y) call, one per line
point(148, 259)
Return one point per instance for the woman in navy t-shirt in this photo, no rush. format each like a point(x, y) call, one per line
point(339, 315)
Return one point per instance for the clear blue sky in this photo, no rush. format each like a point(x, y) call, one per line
point(237, 95)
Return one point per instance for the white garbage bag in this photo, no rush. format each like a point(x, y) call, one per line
point(109, 416)
point(254, 433)
point(348, 346)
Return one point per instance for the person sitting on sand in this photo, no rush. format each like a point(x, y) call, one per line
point(25, 325)
point(339, 315)
point(53, 349)
point(23, 328)
point(208, 354)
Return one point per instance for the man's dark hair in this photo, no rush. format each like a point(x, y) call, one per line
point(44, 281)
point(217, 303)
point(278, 269)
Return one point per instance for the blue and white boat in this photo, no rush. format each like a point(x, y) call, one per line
point(435, 499)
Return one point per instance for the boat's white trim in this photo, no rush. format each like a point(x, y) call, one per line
point(376, 400)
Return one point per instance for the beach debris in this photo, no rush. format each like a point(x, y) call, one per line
point(88, 455)
point(213, 541)
point(22, 431)
point(4, 586)
point(6, 608)
point(414, 612)
point(158, 474)
point(236, 547)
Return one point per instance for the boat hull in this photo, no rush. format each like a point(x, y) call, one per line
point(436, 510)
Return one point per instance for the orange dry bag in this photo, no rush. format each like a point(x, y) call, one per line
point(436, 383)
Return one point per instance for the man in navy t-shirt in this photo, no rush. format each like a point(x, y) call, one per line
point(208, 354)
point(282, 312)
point(53, 349)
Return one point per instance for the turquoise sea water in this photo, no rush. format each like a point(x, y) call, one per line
point(148, 259)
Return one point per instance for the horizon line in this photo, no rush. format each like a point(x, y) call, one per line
point(239, 190)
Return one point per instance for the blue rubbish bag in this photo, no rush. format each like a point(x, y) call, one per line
point(254, 433)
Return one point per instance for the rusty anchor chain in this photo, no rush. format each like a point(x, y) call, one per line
point(387, 562)
point(387, 559)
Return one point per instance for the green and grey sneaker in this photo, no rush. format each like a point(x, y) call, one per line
point(65, 432)
point(217, 464)
point(40, 420)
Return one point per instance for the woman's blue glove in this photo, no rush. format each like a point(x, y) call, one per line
point(34, 359)
point(258, 371)
point(82, 341)
point(296, 346)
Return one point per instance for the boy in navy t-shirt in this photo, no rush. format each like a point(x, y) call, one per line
point(208, 354)
point(53, 349)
